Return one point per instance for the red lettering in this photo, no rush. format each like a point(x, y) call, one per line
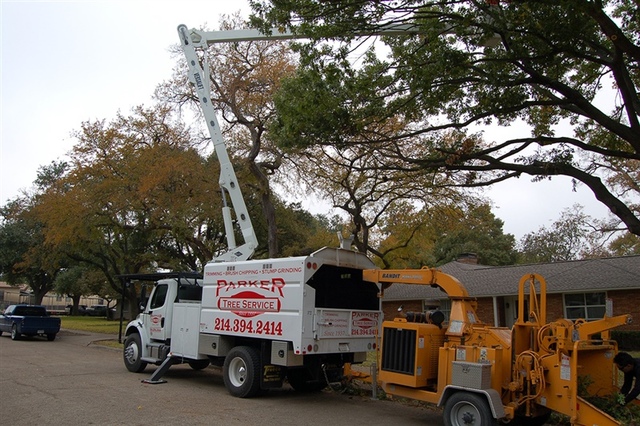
point(274, 285)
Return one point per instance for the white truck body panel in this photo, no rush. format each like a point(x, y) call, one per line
point(273, 299)
point(185, 330)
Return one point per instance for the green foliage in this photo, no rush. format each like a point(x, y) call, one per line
point(25, 255)
point(440, 234)
point(627, 415)
point(531, 67)
point(477, 231)
point(568, 238)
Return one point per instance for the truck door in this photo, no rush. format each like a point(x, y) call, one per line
point(159, 320)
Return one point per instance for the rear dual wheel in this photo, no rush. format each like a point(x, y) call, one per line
point(241, 371)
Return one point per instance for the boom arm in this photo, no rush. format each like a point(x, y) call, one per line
point(228, 181)
point(424, 276)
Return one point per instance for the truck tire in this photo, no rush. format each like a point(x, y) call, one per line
point(132, 354)
point(468, 409)
point(241, 371)
point(15, 335)
point(199, 364)
point(51, 337)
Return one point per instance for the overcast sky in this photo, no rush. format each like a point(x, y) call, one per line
point(65, 62)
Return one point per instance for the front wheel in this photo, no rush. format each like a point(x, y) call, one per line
point(15, 335)
point(468, 409)
point(132, 354)
point(241, 371)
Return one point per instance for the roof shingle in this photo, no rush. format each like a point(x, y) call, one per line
point(615, 273)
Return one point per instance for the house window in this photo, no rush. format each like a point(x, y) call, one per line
point(589, 306)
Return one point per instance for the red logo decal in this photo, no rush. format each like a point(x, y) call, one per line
point(249, 304)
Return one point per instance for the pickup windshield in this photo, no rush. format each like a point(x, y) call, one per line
point(30, 311)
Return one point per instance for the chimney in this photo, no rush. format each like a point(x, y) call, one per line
point(469, 258)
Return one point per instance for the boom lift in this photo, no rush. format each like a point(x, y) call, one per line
point(199, 77)
point(481, 373)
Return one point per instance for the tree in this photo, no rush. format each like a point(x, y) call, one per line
point(22, 258)
point(301, 233)
point(445, 233)
point(25, 255)
point(358, 180)
point(137, 197)
point(78, 281)
point(571, 237)
point(476, 231)
point(563, 76)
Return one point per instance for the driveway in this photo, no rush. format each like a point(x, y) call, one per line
point(72, 381)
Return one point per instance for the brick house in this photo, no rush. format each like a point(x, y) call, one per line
point(575, 289)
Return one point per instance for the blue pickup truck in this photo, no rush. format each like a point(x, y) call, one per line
point(30, 320)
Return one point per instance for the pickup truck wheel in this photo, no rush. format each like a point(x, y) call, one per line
point(241, 371)
point(132, 354)
point(14, 332)
point(51, 337)
point(199, 364)
point(468, 409)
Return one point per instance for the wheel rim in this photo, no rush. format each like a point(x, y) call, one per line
point(465, 414)
point(14, 331)
point(132, 353)
point(237, 372)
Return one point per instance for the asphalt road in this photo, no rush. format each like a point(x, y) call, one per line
point(72, 381)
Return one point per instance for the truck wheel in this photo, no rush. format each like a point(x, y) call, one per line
point(241, 371)
point(14, 332)
point(132, 354)
point(468, 409)
point(199, 364)
point(51, 337)
point(301, 380)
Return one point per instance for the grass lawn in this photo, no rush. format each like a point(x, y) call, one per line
point(91, 324)
point(95, 325)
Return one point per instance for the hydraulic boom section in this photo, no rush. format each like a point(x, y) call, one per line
point(199, 77)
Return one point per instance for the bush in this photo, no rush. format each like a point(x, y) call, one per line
point(627, 340)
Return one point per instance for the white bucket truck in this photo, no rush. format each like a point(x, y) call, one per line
point(299, 318)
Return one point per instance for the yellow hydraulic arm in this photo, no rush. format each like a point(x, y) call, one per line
point(424, 276)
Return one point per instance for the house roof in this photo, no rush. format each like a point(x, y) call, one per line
point(615, 273)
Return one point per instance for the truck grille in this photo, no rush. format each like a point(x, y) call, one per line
point(399, 350)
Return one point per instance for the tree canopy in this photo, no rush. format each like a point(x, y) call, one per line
point(561, 76)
